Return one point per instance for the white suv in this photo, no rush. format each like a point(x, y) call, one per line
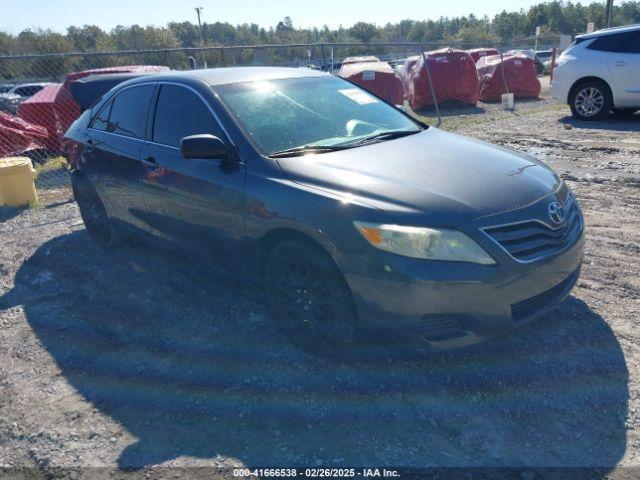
point(600, 72)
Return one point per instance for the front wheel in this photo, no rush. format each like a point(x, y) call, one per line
point(309, 297)
point(591, 100)
point(94, 215)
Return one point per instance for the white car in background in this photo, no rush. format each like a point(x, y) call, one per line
point(16, 94)
point(600, 72)
point(527, 52)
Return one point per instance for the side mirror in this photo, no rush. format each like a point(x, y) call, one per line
point(204, 146)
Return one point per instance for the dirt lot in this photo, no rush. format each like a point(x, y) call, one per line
point(136, 358)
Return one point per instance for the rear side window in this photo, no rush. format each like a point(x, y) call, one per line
point(634, 43)
point(101, 121)
point(127, 113)
point(616, 43)
point(180, 113)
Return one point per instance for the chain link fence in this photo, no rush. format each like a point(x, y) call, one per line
point(442, 84)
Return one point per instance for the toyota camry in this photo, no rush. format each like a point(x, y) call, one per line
point(353, 216)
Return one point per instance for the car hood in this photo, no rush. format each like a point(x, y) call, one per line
point(434, 177)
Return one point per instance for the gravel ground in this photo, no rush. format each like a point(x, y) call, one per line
point(137, 358)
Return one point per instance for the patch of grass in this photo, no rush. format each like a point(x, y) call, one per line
point(51, 164)
point(34, 205)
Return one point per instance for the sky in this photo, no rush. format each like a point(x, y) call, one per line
point(57, 15)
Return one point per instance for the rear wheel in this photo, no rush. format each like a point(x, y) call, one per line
point(94, 215)
point(591, 100)
point(309, 297)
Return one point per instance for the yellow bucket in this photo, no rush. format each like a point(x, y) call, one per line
point(16, 182)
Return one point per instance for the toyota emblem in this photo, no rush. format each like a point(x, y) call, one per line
point(556, 213)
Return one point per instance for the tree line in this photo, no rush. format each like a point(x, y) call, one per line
point(554, 18)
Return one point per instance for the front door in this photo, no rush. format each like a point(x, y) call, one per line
point(197, 205)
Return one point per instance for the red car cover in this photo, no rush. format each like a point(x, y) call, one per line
point(55, 109)
point(403, 74)
point(40, 110)
point(519, 73)
point(377, 77)
point(477, 53)
point(454, 77)
point(17, 135)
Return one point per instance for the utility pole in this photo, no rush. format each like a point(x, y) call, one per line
point(198, 10)
point(608, 12)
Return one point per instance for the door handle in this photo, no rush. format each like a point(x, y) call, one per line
point(150, 162)
point(620, 63)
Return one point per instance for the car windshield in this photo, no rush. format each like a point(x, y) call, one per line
point(313, 114)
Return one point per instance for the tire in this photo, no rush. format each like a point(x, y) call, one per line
point(309, 298)
point(591, 100)
point(94, 215)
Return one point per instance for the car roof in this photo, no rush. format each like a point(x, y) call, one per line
point(33, 84)
point(610, 31)
point(226, 75)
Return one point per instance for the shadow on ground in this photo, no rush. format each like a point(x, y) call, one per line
point(7, 213)
point(191, 365)
point(452, 109)
point(617, 122)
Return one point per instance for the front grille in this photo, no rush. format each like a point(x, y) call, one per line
point(440, 327)
point(532, 239)
point(526, 308)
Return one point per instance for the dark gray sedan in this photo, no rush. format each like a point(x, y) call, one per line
point(353, 216)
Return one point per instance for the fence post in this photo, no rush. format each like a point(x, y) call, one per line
point(324, 58)
point(553, 63)
point(431, 88)
point(504, 78)
point(333, 61)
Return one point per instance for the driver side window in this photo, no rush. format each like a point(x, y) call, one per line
point(180, 113)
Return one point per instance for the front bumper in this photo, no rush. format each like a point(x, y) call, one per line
point(442, 305)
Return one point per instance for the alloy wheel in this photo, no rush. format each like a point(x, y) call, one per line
point(304, 300)
point(589, 101)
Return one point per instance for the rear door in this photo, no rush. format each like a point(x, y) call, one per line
point(197, 205)
point(623, 62)
point(112, 157)
point(625, 69)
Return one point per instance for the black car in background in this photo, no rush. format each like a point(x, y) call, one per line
point(351, 215)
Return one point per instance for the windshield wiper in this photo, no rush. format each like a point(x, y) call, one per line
point(379, 137)
point(297, 151)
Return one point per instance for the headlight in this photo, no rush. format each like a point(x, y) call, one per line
point(426, 243)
